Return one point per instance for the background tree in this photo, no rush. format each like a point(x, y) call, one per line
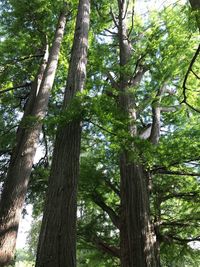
point(15, 185)
point(57, 242)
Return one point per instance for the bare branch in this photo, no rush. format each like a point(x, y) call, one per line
point(14, 88)
point(195, 74)
point(186, 78)
point(113, 17)
point(125, 13)
point(112, 33)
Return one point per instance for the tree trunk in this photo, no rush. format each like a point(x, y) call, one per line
point(57, 241)
point(137, 239)
point(15, 186)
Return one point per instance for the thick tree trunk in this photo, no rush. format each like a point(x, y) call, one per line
point(57, 241)
point(137, 239)
point(15, 186)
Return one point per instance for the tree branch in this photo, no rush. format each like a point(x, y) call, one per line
point(113, 17)
point(106, 248)
point(15, 60)
point(183, 195)
point(14, 88)
point(195, 74)
point(171, 238)
point(113, 187)
point(186, 78)
point(100, 127)
point(164, 171)
point(138, 76)
point(132, 22)
point(111, 213)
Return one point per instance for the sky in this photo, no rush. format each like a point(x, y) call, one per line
point(142, 7)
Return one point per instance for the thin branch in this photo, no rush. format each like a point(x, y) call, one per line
point(14, 88)
point(113, 17)
point(182, 240)
point(5, 151)
point(125, 13)
point(175, 163)
point(100, 127)
point(195, 74)
point(190, 106)
point(186, 78)
point(15, 60)
point(138, 63)
point(182, 223)
point(163, 171)
point(9, 130)
point(112, 33)
point(186, 195)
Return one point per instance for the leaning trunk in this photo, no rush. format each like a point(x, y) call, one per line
point(15, 186)
point(57, 241)
point(137, 240)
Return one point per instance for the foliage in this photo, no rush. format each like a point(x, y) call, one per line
point(164, 45)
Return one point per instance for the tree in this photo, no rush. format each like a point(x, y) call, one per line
point(139, 153)
point(15, 186)
point(57, 241)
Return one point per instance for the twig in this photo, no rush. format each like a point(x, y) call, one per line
point(195, 74)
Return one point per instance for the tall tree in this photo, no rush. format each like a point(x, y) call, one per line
point(57, 242)
point(15, 186)
point(137, 241)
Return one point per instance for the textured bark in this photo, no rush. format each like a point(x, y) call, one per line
point(57, 241)
point(137, 239)
point(15, 186)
